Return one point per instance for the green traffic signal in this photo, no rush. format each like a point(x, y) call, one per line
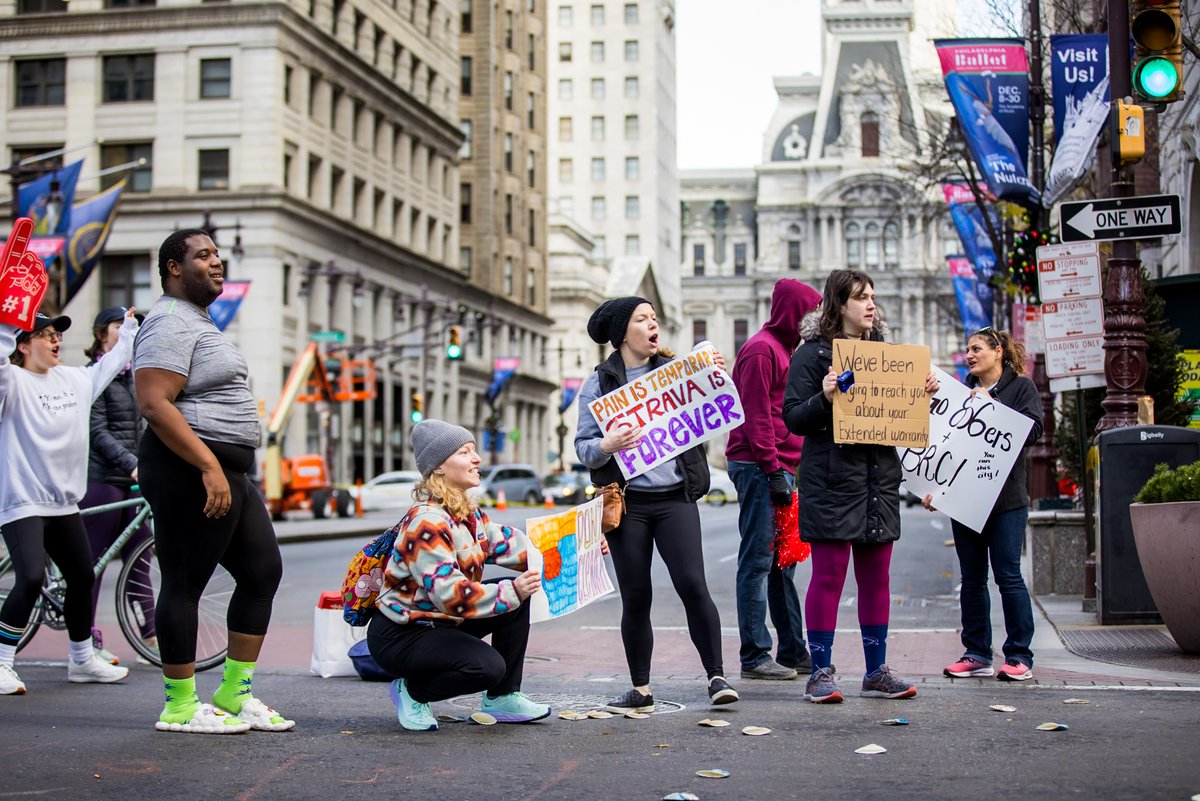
point(1155, 77)
point(453, 352)
point(416, 416)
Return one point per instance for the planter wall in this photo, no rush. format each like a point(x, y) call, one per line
point(1057, 540)
point(1167, 536)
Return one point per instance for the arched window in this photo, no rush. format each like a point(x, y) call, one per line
point(869, 131)
point(874, 253)
point(949, 236)
point(853, 245)
point(891, 245)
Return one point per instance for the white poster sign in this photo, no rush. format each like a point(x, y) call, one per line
point(566, 550)
point(685, 402)
point(973, 445)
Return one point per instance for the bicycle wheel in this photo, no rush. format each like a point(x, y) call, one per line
point(137, 589)
point(7, 580)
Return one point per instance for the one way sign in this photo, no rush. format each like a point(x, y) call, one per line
point(1120, 218)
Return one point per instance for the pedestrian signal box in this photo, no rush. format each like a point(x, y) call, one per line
point(1128, 131)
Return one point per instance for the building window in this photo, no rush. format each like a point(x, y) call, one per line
point(465, 150)
point(854, 254)
point(337, 179)
point(508, 152)
point(128, 78)
point(699, 331)
point(125, 280)
point(566, 205)
point(314, 174)
point(531, 286)
point(125, 3)
point(531, 111)
point(698, 259)
point(566, 89)
point(566, 17)
point(891, 245)
point(508, 29)
point(739, 259)
point(566, 129)
point(873, 243)
point(532, 228)
point(599, 209)
point(631, 50)
point(600, 247)
point(464, 203)
point(566, 170)
point(598, 171)
point(530, 170)
point(741, 332)
point(951, 244)
point(597, 51)
point(631, 87)
point(41, 82)
point(288, 76)
point(508, 91)
point(531, 49)
point(869, 129)
point(597, 88)
point(633, 207)
point(597, 15)
point(464, 260)
point(41, 7)
point(632, 128)
point(214, 169)
point(464, 21)
point(508, 275)
point(466, 76)
point(141, 177)
point(631, 13)
point(564, 51)
point(793, 251)
point(633, 245)
point(508, 214)
point(633, 168)
point(215, 75)
point(597, 129)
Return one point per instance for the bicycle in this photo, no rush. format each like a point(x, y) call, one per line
point(135, 594)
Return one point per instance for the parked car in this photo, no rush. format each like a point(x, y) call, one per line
point(520, 482)
point(568, 489)
point(391, 490)
point(721, 489)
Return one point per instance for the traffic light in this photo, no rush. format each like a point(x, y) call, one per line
point(454, 349)
point(417, 403)
point(1128, 131)
point(1158, 49)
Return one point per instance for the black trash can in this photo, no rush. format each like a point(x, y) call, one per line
point(1127, 457)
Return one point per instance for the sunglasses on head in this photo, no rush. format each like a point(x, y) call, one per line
point(989, 332)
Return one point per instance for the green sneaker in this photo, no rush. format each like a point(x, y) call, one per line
point(412, 715)
point(513, 708)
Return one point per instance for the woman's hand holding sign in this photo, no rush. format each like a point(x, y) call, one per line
point(621, 437)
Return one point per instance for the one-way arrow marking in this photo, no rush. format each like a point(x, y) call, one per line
point(1084, 221)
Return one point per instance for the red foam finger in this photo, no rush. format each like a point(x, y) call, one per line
point(16, 245)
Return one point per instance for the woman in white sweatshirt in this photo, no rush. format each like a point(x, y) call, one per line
point(44, 411)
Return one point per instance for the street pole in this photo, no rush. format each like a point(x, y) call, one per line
point(561, 430)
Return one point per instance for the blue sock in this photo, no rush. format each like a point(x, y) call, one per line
point(874, 639)
point(820, 645)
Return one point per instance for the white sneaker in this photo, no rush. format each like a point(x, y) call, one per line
point(10, 682)
point(95, 671)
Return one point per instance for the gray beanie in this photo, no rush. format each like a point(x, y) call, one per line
point(435, 441)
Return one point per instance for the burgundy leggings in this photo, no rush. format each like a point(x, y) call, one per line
point(872, 563)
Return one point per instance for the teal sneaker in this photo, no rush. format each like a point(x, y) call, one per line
point(513, 708)
point(412, 715)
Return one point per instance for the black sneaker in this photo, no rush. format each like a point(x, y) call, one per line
point(720, 692)
point(632, 701)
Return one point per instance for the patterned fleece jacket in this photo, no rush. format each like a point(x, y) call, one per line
point(436, 569)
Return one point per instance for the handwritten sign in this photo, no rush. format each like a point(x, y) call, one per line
point(681, 404)
point(566, 550)
point(23, 280)
point(887, 404)
point(973, 445)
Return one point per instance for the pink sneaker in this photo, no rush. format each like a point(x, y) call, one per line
point(1012, 670)
point(968, 666)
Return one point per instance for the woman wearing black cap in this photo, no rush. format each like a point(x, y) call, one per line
point(44, 443)
point(116, 430)
point(660, 506)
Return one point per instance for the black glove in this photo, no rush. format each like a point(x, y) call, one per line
point(780, 489)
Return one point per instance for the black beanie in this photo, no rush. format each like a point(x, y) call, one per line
point(609, 321)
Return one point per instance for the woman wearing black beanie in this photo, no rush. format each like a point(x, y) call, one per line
point(660, 506)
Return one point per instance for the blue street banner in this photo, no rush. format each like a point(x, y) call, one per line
point(91, 223)
point(1080, 90)
point(223, 309)
point(988, 84)
point(970, 307)
point(33, 200)
point(503, 369)
point(570, 389)
point(973, 231)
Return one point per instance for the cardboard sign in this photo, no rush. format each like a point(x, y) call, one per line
point(887, 404)
point(566, 550)
point(681, 404)
point(973, 445)
point(23, 279)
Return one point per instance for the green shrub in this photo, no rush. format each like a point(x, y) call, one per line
point(1172, 486)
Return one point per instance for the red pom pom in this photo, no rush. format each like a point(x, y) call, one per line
point(789, 548)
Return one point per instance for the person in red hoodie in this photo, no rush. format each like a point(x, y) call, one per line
point(763, 456)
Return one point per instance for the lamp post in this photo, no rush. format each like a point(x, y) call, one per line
point(561, 428)
point(209, 227)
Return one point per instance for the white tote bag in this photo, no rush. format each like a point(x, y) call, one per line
point(332, 638)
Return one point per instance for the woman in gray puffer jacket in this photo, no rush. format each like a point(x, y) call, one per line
point(116, 431)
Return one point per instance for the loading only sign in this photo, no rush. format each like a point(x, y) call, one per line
point(1120, 218)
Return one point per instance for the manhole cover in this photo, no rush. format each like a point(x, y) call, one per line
point(1138, 647)
point(562, 701)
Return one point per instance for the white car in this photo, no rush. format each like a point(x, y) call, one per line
point(388, 490)
point(721, 490)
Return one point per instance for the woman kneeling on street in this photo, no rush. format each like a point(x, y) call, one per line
point(437, 608)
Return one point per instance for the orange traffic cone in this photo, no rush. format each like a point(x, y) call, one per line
point(501, 500)
point(549, 503)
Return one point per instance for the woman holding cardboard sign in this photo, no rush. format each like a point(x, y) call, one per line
point(661, 505)
point(849, 494)
point(997, 365)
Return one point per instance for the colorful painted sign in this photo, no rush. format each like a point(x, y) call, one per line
point(566, 549)
point(23, 279)
point(1190, 388)
point(886, 404)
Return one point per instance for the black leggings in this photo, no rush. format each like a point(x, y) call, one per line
point(672, 523)
point(190, 546)
point(30, 540)
point(443, 661)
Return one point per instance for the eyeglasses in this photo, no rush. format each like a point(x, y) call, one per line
point(989, 332)
point(50, 335)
